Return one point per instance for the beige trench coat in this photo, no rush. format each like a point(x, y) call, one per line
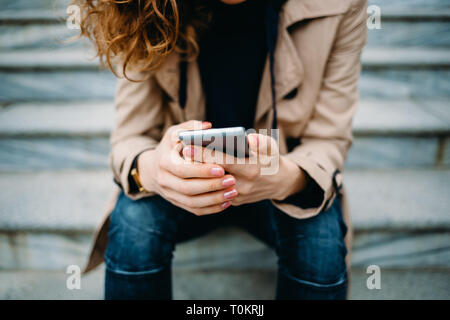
point(317, 58)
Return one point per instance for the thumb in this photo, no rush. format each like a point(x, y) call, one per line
point(193, 125)
point(262, 144)
point(188, 125)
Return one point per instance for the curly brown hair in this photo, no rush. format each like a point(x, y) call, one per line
point(140, 34)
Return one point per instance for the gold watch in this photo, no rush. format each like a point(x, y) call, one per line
point(135, 174)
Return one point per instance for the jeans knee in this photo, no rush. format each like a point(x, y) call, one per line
point(141, 236)
point(312, 250)
point(316, 262)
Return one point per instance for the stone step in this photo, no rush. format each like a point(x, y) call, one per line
point(21, 11)
point(95, 118)
point(56, 86)
point(418, 83)
point(410, 5)
point(89, 84)
point(417, 33)
point(396, 284)
point(86, 118)
point(36, 11)
point(388, 134)
point(38, 36)
point(398, 57)
point(400, 219)
point(41, 59)
point(51, 153)
point(227, 248)
point(46, 153)
point(72, 200)
point(75, 58)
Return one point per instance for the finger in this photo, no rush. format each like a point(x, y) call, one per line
point(208, 155)
point(238, 166)
point(205, 199)
point(196, 186)
point(187, 169)
point(193, 125)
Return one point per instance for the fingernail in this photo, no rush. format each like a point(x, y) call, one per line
point(217, 171)
point(228, 182)
point(189, 152)
point(226, 204)
point(230, 194)
point(206, 124)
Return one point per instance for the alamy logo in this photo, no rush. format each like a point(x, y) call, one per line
point(374, 280)
point(74, 279)
point(73, 17)
point(374, 19)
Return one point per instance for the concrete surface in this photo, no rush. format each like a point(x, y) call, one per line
point(81, 118)
point(228, 249)
point(74, 199)
point(395, 284)
point(81, 58)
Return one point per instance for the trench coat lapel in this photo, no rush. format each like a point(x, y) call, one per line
point(289, 71)
point(168, 77)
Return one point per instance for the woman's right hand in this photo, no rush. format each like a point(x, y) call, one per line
point(199, 188)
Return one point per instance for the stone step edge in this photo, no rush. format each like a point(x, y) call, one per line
point(60, 15)
point(91, 231)
point(75, 59)
point(95, 119)
point(239, 251)
point(407, 207)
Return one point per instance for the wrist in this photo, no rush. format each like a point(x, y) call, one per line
point(145, 169)
point(291, 179)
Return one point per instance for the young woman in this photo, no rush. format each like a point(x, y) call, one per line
point(289, 65)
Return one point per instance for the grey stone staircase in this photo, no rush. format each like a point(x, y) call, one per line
point(56, 113)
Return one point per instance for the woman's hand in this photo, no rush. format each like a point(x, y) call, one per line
point(200, 188)
point(265, 175)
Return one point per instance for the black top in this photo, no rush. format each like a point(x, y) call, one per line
point(233, 53)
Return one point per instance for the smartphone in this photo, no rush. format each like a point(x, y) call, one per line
point(232, 141)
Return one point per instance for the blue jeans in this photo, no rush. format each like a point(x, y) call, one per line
point(143, 234)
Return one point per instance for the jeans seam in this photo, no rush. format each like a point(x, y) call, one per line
point(342, 279)
point(109, 263)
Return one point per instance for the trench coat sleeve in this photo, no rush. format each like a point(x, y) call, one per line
point(139, 120)
point(328, 134)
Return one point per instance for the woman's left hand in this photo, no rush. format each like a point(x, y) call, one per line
point(265, 175)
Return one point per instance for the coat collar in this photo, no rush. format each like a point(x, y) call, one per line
point(297, 10)
point(288, 66)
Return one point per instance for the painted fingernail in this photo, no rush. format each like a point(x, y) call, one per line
point(228, 182)
point(189, 152)
point(217, 171)
point(230, 194)
point(226, 204)
point(206, 124)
